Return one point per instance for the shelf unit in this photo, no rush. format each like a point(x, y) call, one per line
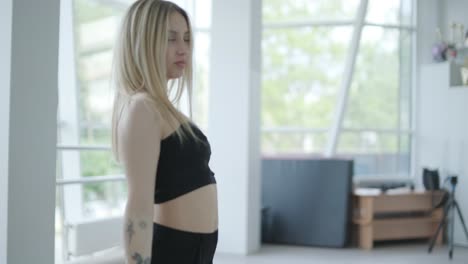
point(455, 76)
point(396, 216)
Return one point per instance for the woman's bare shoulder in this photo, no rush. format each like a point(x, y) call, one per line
point(142, 104)
point(140, 111)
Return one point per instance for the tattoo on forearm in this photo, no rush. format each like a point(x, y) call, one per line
point(130, 230)
point(139, 259)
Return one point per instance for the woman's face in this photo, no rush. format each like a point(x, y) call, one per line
point(178, 48)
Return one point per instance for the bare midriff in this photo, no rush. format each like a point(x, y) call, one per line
point(196, 211)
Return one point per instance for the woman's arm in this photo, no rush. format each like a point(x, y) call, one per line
point(139, 137)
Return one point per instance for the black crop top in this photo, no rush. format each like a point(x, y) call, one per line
point(182, 167)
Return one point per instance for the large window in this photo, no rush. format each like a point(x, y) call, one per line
point(307, 54)
point(90, 184)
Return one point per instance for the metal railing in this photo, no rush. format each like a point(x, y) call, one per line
point(93, 179)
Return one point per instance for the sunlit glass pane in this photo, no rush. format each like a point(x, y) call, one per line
point(376, 154)
point(277, 11)
point(390, 12)
point(302, 71)
point(105, 199)
point(293, 143)
point(202, 13)
point(374, 95)
point(367, 142)
point(201, 78)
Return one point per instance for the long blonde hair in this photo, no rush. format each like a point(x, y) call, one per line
point(140, 65)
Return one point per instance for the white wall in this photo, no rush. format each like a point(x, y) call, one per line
point(443, 133)
point(5, 48)
point(455, 11)
point(442, 130)
point(234, 122)
point(429, 16)
point(434, 14)
point(32, 131)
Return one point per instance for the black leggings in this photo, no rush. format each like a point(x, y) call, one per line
point(172, 246)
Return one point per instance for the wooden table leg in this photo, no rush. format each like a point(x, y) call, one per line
point(365, 237)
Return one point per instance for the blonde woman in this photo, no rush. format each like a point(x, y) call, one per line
point(171, 214)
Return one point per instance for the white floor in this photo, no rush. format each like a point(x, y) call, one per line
point(407, 253)
point(400, 253)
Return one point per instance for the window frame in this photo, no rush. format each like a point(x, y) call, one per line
point(334, 135)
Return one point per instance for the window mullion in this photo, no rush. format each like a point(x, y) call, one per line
point(346, 83)
point(299, 24)
point(71, 198)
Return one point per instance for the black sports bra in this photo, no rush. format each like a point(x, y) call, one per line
point(182, 168)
